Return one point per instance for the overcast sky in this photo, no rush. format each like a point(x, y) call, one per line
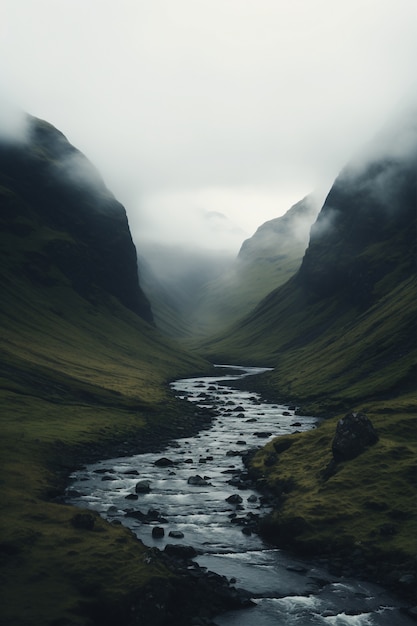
point(208, 117)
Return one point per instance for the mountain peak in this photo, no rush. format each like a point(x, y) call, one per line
point(55, 187)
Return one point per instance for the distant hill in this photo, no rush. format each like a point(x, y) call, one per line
point(265, 261)
point(195, 294)
point(83, 373)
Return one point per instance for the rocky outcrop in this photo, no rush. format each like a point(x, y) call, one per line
point(354, 433)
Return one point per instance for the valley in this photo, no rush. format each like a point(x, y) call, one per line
point(89, 350)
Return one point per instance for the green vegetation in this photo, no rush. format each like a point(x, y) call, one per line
point(82, 376)
point(76, 382)
point(341, 337)
point(366, 509)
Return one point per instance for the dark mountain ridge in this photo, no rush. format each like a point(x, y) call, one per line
point(363, 232)
point(47, 179)
point(359, 265)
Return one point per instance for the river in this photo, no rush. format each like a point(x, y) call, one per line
point(188, 498)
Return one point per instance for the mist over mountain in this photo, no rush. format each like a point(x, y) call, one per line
point(277, 237)
point(265, 261)
point(49, 185)
point(345, 323)
point(195, 292)
point(174, 278)
point(364, 231)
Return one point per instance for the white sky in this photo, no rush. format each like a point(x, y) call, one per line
point(195, 108)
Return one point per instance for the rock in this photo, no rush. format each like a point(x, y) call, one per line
point(197, 480)
point(252, 498)
point(143, 486)
point(84, 521)
point(176, 534)
point(178, 551)
point(164, 462)
point(154, 515)
point(132, 496)
point(354, 433)
point(136, 514)
point(234, 499)
point(131, 473)
point(158, 532)
point(262, 434)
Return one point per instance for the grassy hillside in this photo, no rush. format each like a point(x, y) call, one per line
point(82, 375)
point(341, 336)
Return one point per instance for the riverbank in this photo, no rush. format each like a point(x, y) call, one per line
point(58, 569)
point(196, 495)
point(360, 519)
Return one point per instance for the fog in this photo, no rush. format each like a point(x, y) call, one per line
point(207, 118)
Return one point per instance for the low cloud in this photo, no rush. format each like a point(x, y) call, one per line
point(14, 124)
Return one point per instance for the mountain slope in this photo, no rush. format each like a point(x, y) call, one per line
point(83, 373)
point(265, 261)
point(341, 337)
point(349, 309)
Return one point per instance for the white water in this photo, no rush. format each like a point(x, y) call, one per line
point(286, 591)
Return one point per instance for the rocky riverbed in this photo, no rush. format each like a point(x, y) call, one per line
point(196, 503)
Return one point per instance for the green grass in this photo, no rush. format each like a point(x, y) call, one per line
point(77, 379)
point(331, 355)
point(350, 508)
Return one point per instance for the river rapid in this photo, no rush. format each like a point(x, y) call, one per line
point(188, 498)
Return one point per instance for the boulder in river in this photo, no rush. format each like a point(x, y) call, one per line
point(143, 486)
point(197, 480)
point(164, 462)
point(158, 532)
point(234, 499)
point(176, 534)
point(354, 433)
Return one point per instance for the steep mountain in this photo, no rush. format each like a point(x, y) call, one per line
point(51, 186)
point(265, 261)
point(341, 337)
point(343, 325)
point(83, 373)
